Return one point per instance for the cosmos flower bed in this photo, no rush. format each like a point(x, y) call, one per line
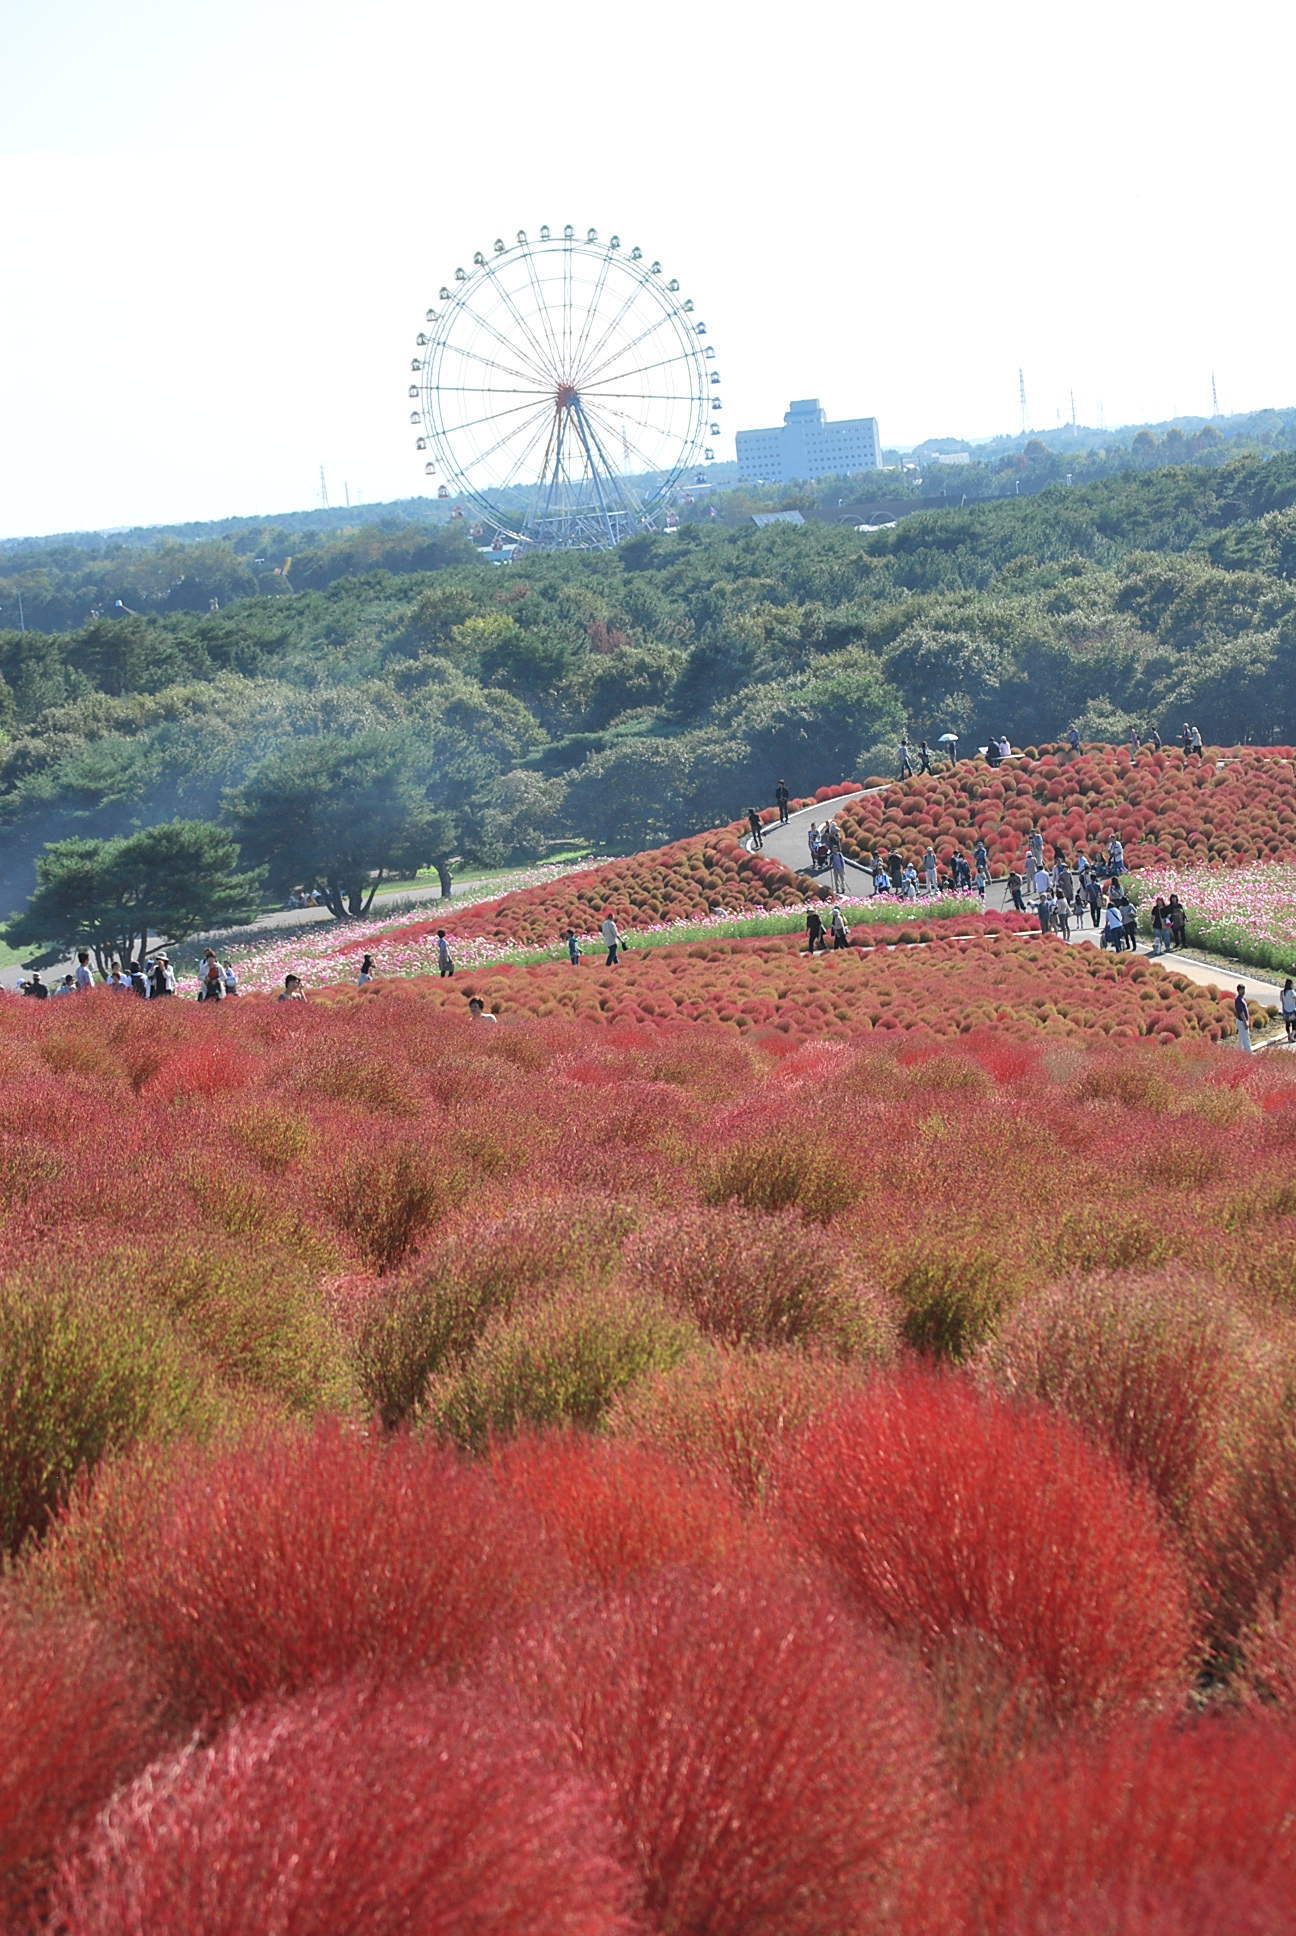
point(1006, 976)
point(402, 1416)
point(676, 883)
point(1249, 912)
point(1164, 809)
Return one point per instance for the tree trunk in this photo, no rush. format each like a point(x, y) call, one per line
point(373, 889)
point(443, 876)
point(335, 901)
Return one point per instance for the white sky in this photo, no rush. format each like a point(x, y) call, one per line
point(221, 224)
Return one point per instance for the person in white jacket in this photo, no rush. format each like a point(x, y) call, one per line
point(611, 940)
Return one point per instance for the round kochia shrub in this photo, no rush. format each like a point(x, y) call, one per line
point(946, 1512)
point(1156, 1368)
point(760, 1280)
point(1156, 1830)
point(86, 1369)
point(619, 1508)
point(354, 1810)
point(434, 1312)
point(730, 1413)
point(74, 1721)
point(296, 1559)
point(771, 1765)
point(561, 1362)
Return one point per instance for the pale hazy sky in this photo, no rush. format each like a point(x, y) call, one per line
point(221, 224)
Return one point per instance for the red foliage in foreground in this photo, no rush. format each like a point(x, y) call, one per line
point(351, 1811)
point(299, 1559)
point(771, 1765)
point(74, 1720)
point(1163, 808)
point(1149, 1831)
point(945, 1512)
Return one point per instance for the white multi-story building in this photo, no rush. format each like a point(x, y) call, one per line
point(807, 447)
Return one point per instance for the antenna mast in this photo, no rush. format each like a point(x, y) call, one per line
point(1215, 409)
point(1021, 392)
point(323, 489)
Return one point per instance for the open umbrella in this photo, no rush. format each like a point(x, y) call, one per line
point(948, 739)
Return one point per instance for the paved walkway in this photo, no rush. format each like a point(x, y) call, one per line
point(789, 845)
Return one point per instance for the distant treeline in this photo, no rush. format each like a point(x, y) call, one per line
point(61, 583)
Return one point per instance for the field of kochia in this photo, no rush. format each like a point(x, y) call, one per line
point(741, 1445)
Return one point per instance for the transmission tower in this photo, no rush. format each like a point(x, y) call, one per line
point(1215, 409)
point(1021, 392)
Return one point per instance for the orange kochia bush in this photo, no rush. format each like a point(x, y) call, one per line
point(677, 883)
point(1162, 807)
point(1006, 976)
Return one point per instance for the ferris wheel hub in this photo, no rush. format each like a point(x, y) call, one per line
point(566, 395)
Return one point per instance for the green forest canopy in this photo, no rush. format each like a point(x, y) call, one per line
point(621, 697)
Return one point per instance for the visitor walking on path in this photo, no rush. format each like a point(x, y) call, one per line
point(815, 932)
point(611, 941)
point(573, 948)
point(781, 798)
point(924, 757)
point(445, 960)
point(929, 870)
point(1178, 919)
point(837, 864)
point(841, 933)
point(754, 822)
point(1242, 1014)
point(1287, 1003)
point(83, 977)
point(905, 771)
point(1015, 891)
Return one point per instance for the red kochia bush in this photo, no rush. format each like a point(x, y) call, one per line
point(292, 1560)
point(344, 1810)
point(771, 1764)
point(1143, 1832)
point(946, 1513)
point(620, 1508)
point(74, 1720)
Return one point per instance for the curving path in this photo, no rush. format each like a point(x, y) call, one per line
point(788, 844)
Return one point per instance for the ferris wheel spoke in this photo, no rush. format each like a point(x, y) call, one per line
point(542, 310)
point(614, 324)
point(488, 390)
point(514, 349)
point(489, 362)
point(515, 430)
point(546, 425)
point(492, 417)
point(522, 323)
point(592, 310)
point(617, 428)
point(618, 355)
point(634, 376)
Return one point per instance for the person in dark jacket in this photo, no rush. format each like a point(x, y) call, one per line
point(815, 932)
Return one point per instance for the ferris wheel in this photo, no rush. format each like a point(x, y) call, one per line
point(564, 387)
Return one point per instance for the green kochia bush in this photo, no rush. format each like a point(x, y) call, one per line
point(561, 1362)
point(86, 1369)
point(431, 1315)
